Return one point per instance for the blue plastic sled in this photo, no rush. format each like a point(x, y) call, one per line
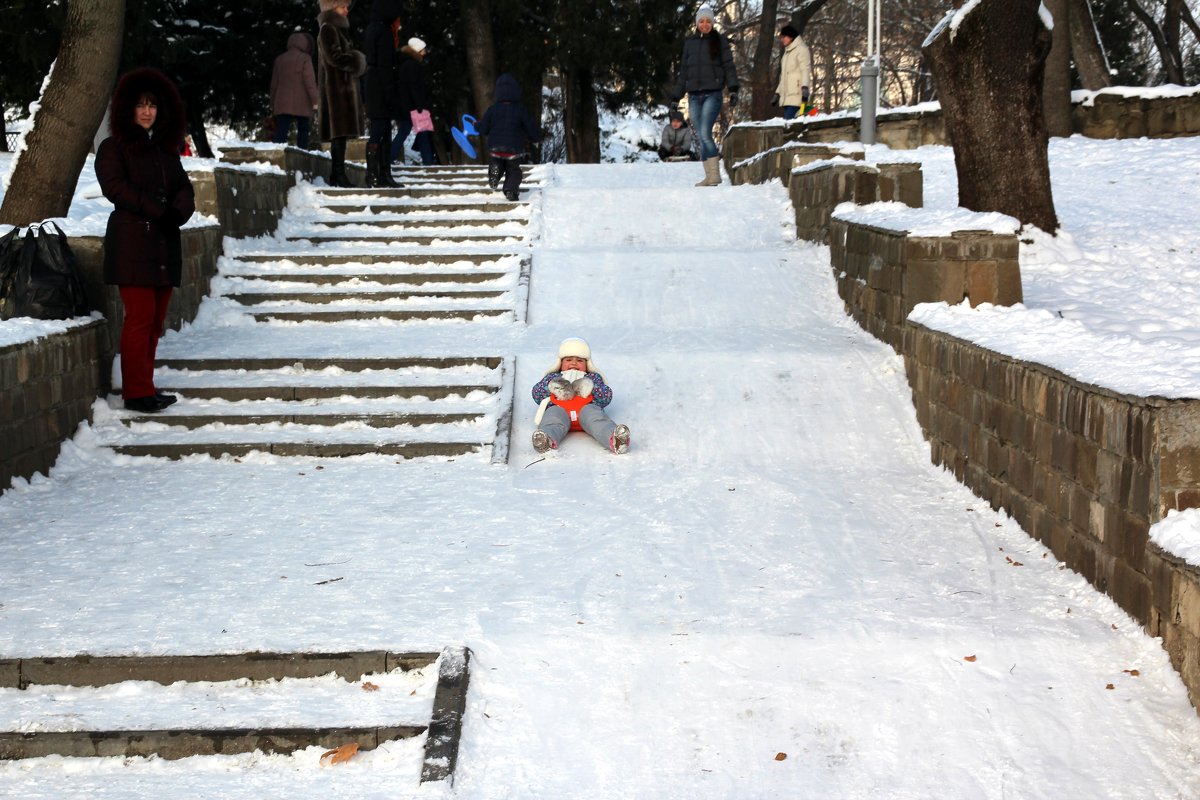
point(460, 136)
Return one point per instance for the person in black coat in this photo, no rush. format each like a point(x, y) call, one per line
point(411, 79)
point(140, 172)
point(381, 94)
point(706, 69)
point(507, 125)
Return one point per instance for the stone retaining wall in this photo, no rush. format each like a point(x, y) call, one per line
point(819, 188)
point(47, 388)
point(247, 204)
point(201, 249)
point(64, 373)
point(779, 162)
point(1113, 116)
point(882, 273)
point(1084, 470)
point(1109, 115)
point(310, 164)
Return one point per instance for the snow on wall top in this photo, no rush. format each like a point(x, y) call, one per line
point(924, 221)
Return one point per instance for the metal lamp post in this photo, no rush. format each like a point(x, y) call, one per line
point(870, 71)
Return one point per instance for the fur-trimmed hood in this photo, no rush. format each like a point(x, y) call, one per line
point(169, 126)
point(325, 6)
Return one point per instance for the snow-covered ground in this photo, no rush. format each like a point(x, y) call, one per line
point(774, 594)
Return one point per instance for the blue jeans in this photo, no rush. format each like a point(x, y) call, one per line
point(704, 108)
point(790, 112)
point(283, 126)
point(423, 141)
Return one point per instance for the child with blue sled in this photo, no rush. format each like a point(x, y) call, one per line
point(507, 125)
point(572, 397)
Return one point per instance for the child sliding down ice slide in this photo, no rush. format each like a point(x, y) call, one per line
point(572, 397)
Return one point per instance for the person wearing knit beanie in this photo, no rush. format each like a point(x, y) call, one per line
point(572, 396)
point(706, 70)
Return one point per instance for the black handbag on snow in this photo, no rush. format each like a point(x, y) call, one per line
point(39, 276)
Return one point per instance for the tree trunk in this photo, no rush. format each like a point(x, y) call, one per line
point(480, 50)
point(1086, 49)
point(1056, 84)
point(805, 12)
point(989, 80)
point(761, 85)
point(1171, 63)
point(580, 118)
point(60, 136)
point(3, 131)
point(194, 108)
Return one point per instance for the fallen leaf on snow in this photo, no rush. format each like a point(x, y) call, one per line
point(781, 756)
point(969, 658)
point(1132, 672)
point(1110, 686)
point(370, 687)
point(339, 754)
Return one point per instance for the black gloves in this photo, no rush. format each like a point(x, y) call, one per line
point(733, 98)
point(804, 95)
point(774, 99)
point(171, 218)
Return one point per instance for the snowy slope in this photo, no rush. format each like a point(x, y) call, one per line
point(774, 594)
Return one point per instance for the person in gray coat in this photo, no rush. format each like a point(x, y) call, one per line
point(676, 143)
point(339, 67)
point(706, 69)
point(294, 95)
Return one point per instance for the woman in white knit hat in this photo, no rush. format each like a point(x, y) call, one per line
point(571, 397)
point(706, 70)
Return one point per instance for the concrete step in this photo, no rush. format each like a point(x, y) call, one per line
point(314, 449)
point(457, 222)
point(421, 240)
point(258, 298)
point(423, 257)
point(319, 363)
point(389, 278)
point(300, 393)
point(497, 205)
point(465, 314)
point(445, 191)
point(379, 420)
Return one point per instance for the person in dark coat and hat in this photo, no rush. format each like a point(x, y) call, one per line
point(380, 42)
point(140, 172)
point(339, 66)
point(294, 89)
point(413, 100)
point(706, 69)
point(507, 125)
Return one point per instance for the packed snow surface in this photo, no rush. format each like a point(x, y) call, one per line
point(773, 594)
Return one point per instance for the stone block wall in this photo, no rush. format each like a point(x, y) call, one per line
point(247, 204)
point(882, 273)
point(779, 162)
point(1113, 116)
point(309, 163)
point(201, 249)
point(47, 388)
point(817, 189)
point(1084, 470)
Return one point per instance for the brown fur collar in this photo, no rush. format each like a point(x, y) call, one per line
point(171, 123)
point(333, 18)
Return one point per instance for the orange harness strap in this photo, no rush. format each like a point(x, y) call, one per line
point(572, 407)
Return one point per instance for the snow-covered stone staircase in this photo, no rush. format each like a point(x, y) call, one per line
point(307, 345)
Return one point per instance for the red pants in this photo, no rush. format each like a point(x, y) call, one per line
point(145, 310)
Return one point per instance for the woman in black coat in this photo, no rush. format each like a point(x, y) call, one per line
point(380, 41)
point(706, 69)
point(410, 77)
point(140, 172)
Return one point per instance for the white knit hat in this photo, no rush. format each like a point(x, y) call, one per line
point(705, 12)
point(416, 44)
point(577, 347)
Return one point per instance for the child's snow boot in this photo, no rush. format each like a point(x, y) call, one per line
point(542, 442)
point(494, 174)
point(619, 441)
